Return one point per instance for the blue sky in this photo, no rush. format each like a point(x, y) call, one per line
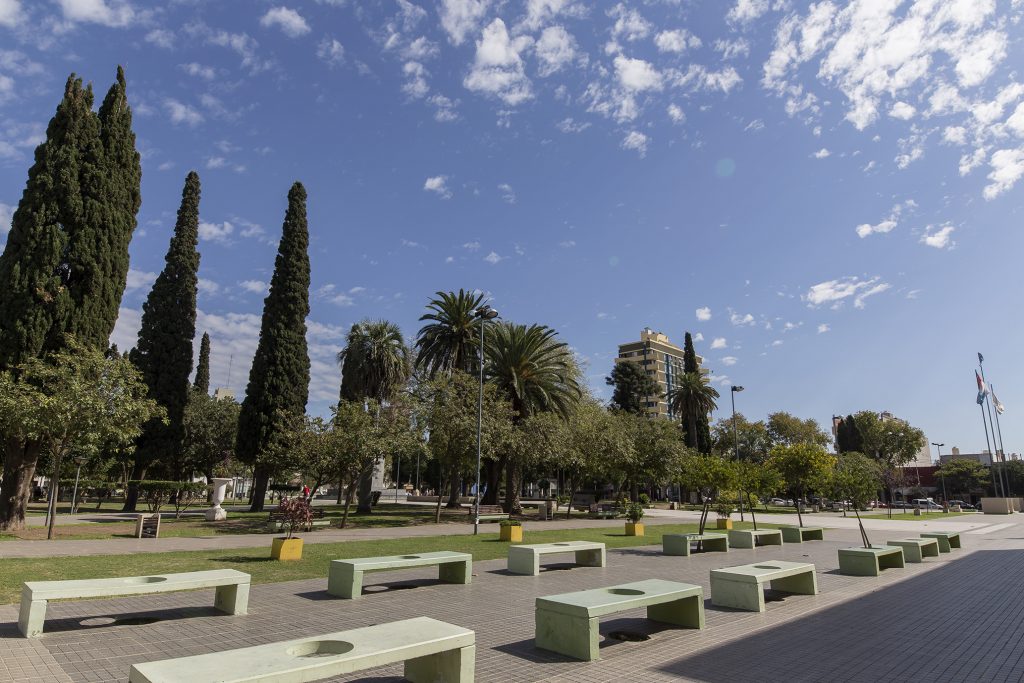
point(830, 194)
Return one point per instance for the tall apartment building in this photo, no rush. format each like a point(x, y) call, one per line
point(663, 361)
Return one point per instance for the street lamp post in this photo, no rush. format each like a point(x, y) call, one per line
point(938, 451)
point(736, 438)
point(484, 313)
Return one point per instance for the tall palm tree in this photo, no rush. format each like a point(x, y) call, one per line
point(375, 364)
point(449, 341)
point(692, 398)
point(537, 373)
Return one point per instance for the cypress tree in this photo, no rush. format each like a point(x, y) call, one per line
point(202, 381)
point(703, 436)
point(279, 378)
point(164, 351)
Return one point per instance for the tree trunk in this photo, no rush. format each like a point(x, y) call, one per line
point(512, 505)
point(365, 501)
point(753, 518)
point(492, 476)
point(16, 488)
point(348, 502)
point(260, 481)
point(131, 492)
point(440, 496)
point(341, 490)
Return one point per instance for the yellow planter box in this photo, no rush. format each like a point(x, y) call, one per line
point(724, 523)
point(634, 528)
point(512, 534)
point(286, 549)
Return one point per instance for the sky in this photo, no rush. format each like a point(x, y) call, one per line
point(827, 195)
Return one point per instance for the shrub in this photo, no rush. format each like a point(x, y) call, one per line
point(511, 522)
point(296, 513)
point(644, 499)
point(724, 508)
point(635, 512)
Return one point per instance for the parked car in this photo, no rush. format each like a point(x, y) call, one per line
point(963, 504)
point(926, 504)
point(780, 501)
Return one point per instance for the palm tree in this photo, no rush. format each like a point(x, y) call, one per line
point(449, 341)
point(375, 364)
point(537, 373)
point(692, 398)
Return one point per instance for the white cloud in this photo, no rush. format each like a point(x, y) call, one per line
point(6, 216)
point(198, 70)
point(677, 41)
point(955, 135)
point(555, 49)
point(139, 279)
point(902, 111)
point(636, 75)
point(940, 239)
point(216, 162)
point(161, 38)
point(113, 13)
point(471, 246)
point(822, 154)
point(835, 292)
point(567, 244)
point(415, 80)
point(216, 232)
point(747, 10)
point(699, 337)
point(729, 360)
point(445, 109)
point(718, 343)
point(1016, 121)
point(331, 51)
point(498, 66)
point(492, 258)
point(508, 195)
point(731, 49)
point(737, 319)
point(288, 20)
point(866, 229)
point(438, 184)
point(823, 328)
point(570, 125)
point(629, 25)
point(676, 113)
point(461, 18)
point(182, 113)
point(11, 13)
point(242, 44)
point(635, 141)
point(1007, 168)
point(254, 286)
point(704, 314)
point(540, 12)
point(208, 286)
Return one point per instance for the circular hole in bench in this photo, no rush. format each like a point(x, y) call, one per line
point(146, 579)
point(625, 591)
point(409, 557)
point(628, 636)
point(562, 544)
point(320, 648)
point(765, 566)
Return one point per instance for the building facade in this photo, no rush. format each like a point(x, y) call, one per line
point(663, 361)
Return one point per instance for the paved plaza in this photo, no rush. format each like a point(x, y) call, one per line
point(955, 618)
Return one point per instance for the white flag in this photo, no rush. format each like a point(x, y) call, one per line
point(995, 401)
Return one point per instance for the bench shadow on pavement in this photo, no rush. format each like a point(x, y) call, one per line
point(525, 649)
point(880, 635)
point(105, 620)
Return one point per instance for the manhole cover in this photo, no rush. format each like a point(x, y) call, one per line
point(629, 636)
point(98, 621)
point(136, 621)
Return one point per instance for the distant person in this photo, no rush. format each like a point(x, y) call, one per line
point(305, 492)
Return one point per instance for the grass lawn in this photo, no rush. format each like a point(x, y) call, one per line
point(909, 516)
point(315, 561)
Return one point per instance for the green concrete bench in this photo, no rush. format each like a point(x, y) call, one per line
point(870, 561)
point(748, 538)
point(741, 587)
point(525, 559)
point(799, 534)
point(948, 540)
point(232, 594)
point(280, 525)
point(568, 623)
point(679, 544)
point(433, 652)
point(916, 549)
point(345, 577)
point(489, 513)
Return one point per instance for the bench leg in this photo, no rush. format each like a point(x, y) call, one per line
point(737, 594)
point(912, 554)
point(792, 535)
point(688, 612)
point(575, 637)
point(673, 545)
point(741, 540)
point(31, 617)
point(891, 561)
point(451, 666)
point(802, 584)
point(860, 565)
point(590, 558)
point(717, 545)
point(954, 542)
point(455, 572)
point(523, 562)
point(233, 599)
point(344, 581)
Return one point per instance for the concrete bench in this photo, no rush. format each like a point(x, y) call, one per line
point(489, 513)
point(232, 594)
point(525, 559)
point(748, 538)
point(568, 623)
point(948, 540)
point(433, 652)
point(280, 525)
point(870, 561)
point(345, 577)
point(679, 544)
point(799, 534)
point(741, 587)
point(916, 549)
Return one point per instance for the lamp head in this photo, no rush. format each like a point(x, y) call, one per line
point(485, 312)
point(735, 388)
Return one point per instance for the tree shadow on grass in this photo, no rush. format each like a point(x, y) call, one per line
point(242, 559)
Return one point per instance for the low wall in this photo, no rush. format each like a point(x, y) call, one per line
point(998, 506)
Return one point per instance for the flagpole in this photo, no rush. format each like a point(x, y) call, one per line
point(988, 444)
point(1002, 449)
point(995, 448)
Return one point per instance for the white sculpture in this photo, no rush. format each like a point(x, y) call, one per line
point(217, 513)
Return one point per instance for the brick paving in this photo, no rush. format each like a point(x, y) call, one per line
point(954, 618)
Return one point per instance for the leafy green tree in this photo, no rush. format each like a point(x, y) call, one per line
point(848, 436)
point(701, 438)
point(693, 399)
point(964, 476)
point(709, 476)
point(595, 448)
point(211, 429)
point(163, 353)
point(537, 373)
point(658, 449)
point(1014, 470)
point(633, 387)
point(375, 365)
point(73, 401)
point(279, 378)
point(450, 339)
point(856, 478)
point(893, 443)
point(804, 467)
point(753, 439)
point(787, 430)
point(202, 380)
point(757, 477)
